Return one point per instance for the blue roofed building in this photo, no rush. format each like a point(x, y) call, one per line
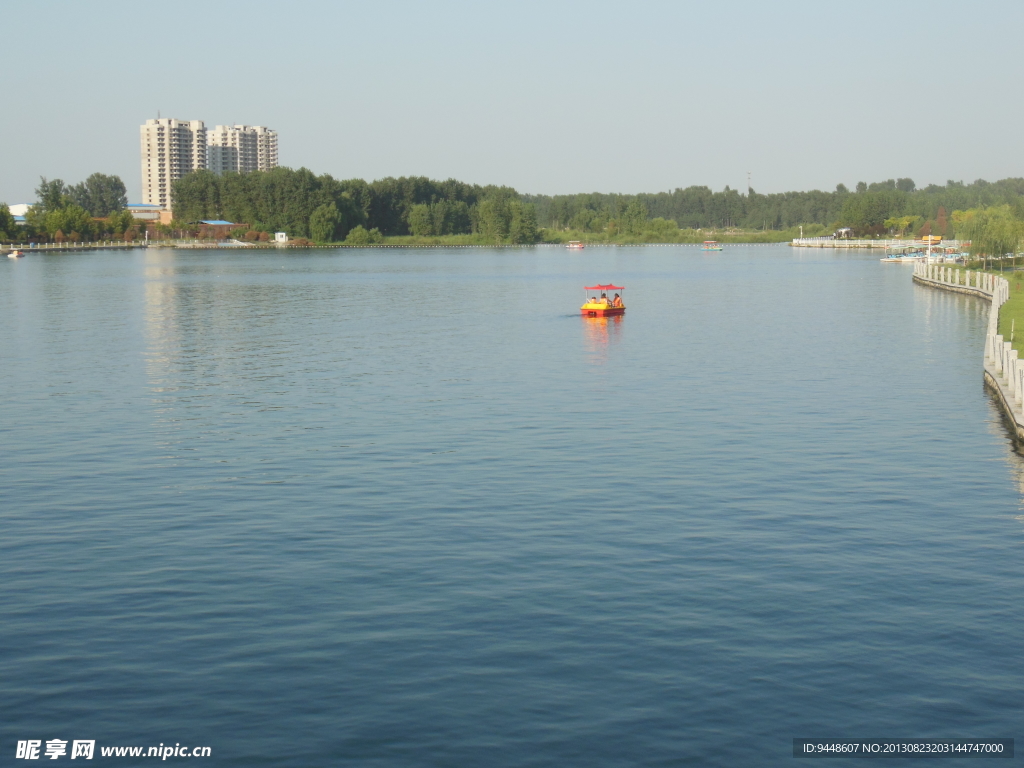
point(218, 229)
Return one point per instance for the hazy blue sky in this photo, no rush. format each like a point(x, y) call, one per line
point(543, 96)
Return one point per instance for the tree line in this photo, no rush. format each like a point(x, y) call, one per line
point(866, 209)
point(325, 209)
point(92, 209)
point(995, 231)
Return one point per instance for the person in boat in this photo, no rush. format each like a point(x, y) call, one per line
point(593, 299)
point(604, 299)
point(617, 301)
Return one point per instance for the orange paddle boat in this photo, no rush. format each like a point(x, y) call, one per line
point(601, 305)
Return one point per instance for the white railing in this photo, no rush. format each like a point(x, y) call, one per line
point(1001, 362)
point(67, 245)
point(99, 244)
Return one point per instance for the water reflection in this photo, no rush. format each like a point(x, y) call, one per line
point(599, 333)
point(944, 312)
point(162, 331)
point(999, 426)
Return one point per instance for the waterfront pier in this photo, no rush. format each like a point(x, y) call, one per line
point(834, 242)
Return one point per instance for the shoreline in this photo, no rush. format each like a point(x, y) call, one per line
point(27, 248)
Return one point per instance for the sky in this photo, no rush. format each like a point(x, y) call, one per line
point(548, 97)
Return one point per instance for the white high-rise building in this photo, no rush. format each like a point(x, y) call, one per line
point(266, 148)
point(241, 148)
point(170, 149)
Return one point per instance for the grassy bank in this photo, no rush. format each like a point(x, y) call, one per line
point(438, 240)
point(553, 236)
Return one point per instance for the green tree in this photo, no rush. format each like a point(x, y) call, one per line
point(900, 224)
point(585, 220)
point(492, 220)
point(993, 232)
point(71, 218)
point(51, 195)
point(662, 230)
point(522, 228)
point(196, 196)
point(358, 235)
point(8, 226)
point(323, 223)
point(120, 222)
point(421, 222)
point(100, 194)
point(634, 219)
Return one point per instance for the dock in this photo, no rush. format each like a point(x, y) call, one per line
point(835, 242)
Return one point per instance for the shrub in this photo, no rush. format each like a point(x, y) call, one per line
point(359, 236)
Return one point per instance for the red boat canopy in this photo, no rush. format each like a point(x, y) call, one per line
point(604, 287)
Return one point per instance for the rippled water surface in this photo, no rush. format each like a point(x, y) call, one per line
point(406, 508)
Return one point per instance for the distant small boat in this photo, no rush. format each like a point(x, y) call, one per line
point(15, 255)
point(902, 254)
point(574, 245)
point(901, 259)
point(711, 245)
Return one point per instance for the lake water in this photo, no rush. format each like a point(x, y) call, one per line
point(407, 508)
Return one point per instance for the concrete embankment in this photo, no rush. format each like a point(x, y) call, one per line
point(104, 245)
point(1003, 372)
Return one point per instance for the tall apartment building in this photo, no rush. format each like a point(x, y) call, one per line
point(241, 148)
point(170, 149)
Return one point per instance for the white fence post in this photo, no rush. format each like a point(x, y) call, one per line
point(1011, 370)
point(1018, 386)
